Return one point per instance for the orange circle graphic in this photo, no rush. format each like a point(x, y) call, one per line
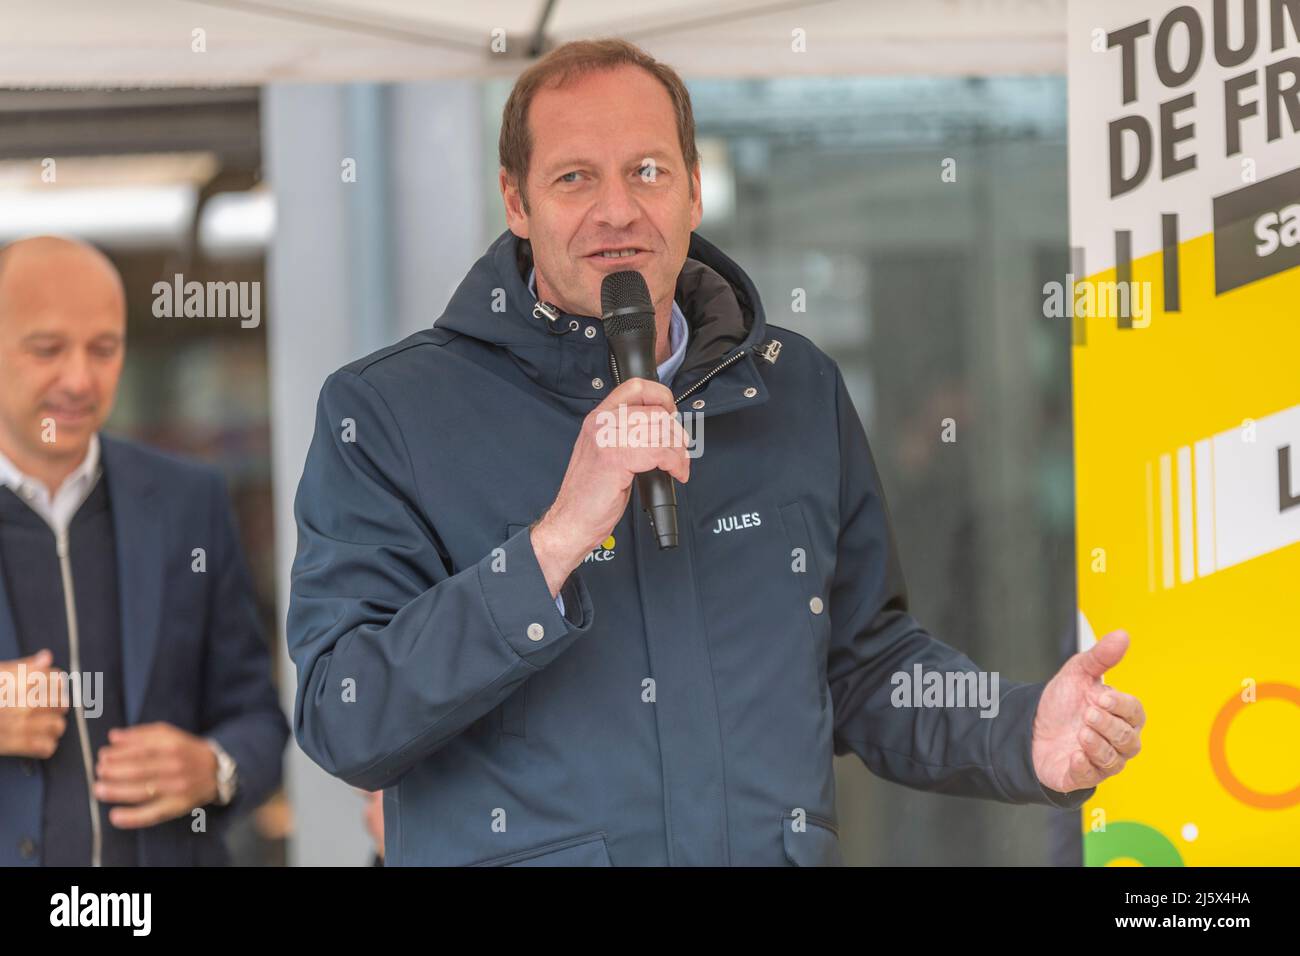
point(1219, 754)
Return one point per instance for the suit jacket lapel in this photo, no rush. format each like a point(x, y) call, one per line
point(138, 531)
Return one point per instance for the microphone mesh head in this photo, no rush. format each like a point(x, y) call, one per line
point(623, 291)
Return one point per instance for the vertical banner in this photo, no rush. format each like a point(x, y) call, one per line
point(1184, 306)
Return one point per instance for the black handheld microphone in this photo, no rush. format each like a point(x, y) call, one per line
point(629, 320)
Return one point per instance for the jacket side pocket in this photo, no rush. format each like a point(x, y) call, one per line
point(815, 843)
point(587, 850)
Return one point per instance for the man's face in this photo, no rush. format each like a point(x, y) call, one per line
point(606, 173)
point(62, 340)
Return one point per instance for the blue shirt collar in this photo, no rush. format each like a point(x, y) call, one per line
point(678, 333)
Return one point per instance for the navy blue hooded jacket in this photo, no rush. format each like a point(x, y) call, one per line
point(686, 708)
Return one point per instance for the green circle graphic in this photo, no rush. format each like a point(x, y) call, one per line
point(1130, 840)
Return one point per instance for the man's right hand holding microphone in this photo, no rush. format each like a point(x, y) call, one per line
point(598, 481)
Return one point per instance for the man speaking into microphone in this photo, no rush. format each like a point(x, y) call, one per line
point(486, 622)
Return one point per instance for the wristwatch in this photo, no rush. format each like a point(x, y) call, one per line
point(227, 775)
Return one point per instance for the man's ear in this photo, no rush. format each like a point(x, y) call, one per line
point(516, 218)
point(697, 205)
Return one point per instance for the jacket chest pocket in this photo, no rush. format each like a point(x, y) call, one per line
point(760, 587)
point(809, 584)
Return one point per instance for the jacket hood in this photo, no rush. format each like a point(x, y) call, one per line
point(720, 304)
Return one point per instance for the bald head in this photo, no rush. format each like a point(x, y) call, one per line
point(51, 268)
point(62, 338)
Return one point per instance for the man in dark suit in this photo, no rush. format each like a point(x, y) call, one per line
point(120, 568)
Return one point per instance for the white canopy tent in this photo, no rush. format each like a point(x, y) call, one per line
point(89, 43)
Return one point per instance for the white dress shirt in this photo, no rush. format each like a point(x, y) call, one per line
point(56, 511)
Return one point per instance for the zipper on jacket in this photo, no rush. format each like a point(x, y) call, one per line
point(74, 666)
point(618, 379)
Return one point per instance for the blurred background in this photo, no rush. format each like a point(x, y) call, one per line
point(823, 173)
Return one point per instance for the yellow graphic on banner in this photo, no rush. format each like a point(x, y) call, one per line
point(1187, 458)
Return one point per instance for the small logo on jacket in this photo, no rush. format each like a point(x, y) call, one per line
point(604, 553)
point(750, 519)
